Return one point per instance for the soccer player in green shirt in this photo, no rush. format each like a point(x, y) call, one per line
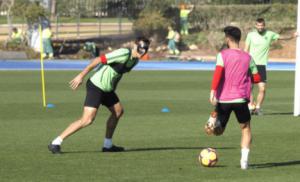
point(258, 44)
point(101, 90)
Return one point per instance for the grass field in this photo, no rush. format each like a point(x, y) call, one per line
point(160, 146)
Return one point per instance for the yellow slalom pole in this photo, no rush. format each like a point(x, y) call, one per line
point(42, 67)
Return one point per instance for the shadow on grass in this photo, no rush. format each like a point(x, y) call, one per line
point(150, 149)
point(217, 166)
point(279, 113)
point(171, 148)
point(275, 164)
point(81, 152)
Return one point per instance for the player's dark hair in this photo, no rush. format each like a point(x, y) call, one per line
point(260, 20)
point(233, 32)
point(142, 45)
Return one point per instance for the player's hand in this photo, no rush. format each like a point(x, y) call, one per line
point(295, 34)
point(76, 82)
point(212, 98)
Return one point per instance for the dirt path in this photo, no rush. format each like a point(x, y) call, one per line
point(284, 51)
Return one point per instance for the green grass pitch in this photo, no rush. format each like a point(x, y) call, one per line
point(160, 146)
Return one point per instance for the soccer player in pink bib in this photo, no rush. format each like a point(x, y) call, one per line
point(231, 87)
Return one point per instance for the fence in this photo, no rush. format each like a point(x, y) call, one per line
point(77, 31)
point(77, 19)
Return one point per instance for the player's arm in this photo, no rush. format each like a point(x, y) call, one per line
point(254, 72)
point(79, 78)
point(247, 47)
point(216, 79)
point(247, 44)
point(191, 7)
point(289, 37)
point(112, 57)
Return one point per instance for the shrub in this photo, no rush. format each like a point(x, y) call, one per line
point(216, 17)
point(154, 20)
point(151, 24)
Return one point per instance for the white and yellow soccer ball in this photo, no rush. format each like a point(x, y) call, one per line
point(208, 157)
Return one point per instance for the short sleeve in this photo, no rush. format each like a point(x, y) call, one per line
point(118, 56)
point(275, 36)
point(219, 61)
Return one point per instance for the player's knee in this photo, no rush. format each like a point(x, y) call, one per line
point(245, 126)
point(262, 89)
point(219, 131)
point(87, 121)
point(119, 112)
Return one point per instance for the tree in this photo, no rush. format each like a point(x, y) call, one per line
point(7, 5)
point(31, 11)
point(155, 18)
point(53, 9)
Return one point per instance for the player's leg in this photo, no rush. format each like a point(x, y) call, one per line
point(92, 102)
point(224, 110)
point(185, 27)
point(177, 51)
point(88, 116)
point(251, 104)
point(182, 26)
point(246, 135)
point(112, 122)
point(243, 116)
point(261, 88)
point(115, 107)
point(171, 46)
point(245, 144)
point(260, 97)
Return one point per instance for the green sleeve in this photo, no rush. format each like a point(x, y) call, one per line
point(118, 56)
point(253, 67)
point(275, 36)
point(248, 39)
point(220, 61)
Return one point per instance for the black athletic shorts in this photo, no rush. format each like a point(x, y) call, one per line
point(241, 112)
point(262, 72)
point(95, 96)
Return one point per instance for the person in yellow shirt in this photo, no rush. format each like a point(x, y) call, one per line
point(184, 14)
point(48, 50)
point(172, 40)
point(16, 35)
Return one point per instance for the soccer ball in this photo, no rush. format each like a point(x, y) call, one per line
point(208, 157)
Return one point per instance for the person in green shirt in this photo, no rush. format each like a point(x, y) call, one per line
point(16, 35)
point(185, 10)
point(258, 44)
point(172, 41)
point(101, 86)
point(47, 43)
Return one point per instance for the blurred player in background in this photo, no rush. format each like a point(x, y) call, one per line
point(258, 44)
point(17, 35)
point(173, 41)
point(185, 10)
point(231, 87)
point(100, 89)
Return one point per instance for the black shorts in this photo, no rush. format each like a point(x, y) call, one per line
point(95, 96)
point(262, 72)
point(241, 111)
